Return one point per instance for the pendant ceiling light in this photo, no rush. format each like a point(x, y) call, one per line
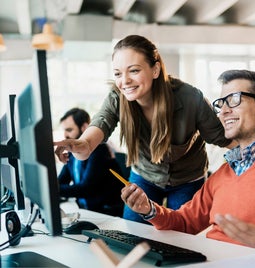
point(47, 40)
point(2, 45)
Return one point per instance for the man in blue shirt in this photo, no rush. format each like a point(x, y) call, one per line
point(90, 181)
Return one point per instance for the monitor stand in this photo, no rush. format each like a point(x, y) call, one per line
point(28, 259)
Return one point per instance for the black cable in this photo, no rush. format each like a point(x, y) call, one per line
point(23, 232)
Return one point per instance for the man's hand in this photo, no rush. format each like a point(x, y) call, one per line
point(236, 229)
point(136, 199)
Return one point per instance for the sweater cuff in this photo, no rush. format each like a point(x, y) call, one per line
point(151, 214)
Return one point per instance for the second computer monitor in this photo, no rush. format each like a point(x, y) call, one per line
point(9, 154)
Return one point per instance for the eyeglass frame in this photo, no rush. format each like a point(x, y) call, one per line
point(224, 100)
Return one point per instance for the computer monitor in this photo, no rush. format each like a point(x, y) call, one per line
point(34, 134)
point(9, 153)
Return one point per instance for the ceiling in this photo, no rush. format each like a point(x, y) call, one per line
point(24, 16)
point(178, 23)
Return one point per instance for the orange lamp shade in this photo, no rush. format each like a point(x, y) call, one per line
point(47, 40)
point(2, 45)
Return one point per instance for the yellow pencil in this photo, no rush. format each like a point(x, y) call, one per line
point(119, 177)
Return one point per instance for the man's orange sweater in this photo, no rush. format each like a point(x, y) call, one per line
point(223, 192)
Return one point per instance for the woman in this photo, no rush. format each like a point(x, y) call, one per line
point(164, 124)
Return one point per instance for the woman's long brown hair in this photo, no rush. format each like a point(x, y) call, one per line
point(162, 120)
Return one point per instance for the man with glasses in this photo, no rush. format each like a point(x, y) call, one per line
point(227, 199)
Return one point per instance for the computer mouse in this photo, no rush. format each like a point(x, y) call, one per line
point(78, 226)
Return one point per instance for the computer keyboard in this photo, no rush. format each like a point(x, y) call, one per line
point(161, 252)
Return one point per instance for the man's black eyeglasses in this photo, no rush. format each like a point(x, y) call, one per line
point(232, 100)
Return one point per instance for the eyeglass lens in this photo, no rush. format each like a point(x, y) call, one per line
point(232, 100)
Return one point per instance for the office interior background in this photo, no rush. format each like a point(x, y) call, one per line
point(197, 39)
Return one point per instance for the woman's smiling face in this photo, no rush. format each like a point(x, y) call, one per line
point(133, 74)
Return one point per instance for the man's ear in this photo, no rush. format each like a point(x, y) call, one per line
point(84, 126)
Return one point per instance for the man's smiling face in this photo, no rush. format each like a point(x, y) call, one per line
point(239, 122)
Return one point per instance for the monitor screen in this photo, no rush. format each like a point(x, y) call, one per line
point(34, 134)
point(12, 193)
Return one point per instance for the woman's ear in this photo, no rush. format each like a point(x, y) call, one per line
point(156, 70)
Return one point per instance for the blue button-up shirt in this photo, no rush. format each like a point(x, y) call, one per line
point(239, 160)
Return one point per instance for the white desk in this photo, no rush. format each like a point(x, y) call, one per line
point(77, 254)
